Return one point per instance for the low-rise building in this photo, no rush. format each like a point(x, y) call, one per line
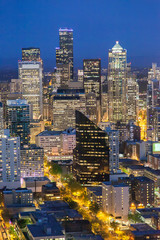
point(153, 175)
point(144, 231)
point(47, 228)
point(50, 141)
point(153, 161)
point(18, 197)
point(57, 142)
point(136, 170)
point(35, 183)
point(50, 192)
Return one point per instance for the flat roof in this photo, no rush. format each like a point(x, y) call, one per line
point(40, 230)
point(97, 190)
point(38, 179)
point(49, 133)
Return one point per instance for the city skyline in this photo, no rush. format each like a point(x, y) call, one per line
point(95, 30)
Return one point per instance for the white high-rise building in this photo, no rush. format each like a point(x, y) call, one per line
point(1, 117)
point(30, 72)
point(9, 160)
point(117, 83)
point(115, 199)
point(113, 136)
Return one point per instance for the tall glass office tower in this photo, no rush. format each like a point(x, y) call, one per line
point(18, 119)
point(117, 83)
point(64, 53)
point(92, 85)
point(30, 72)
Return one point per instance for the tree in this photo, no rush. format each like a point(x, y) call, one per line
point(22, 223)
point(135, 217)
point(114, 225)
point(55, 169)
point(94, 207)
point(73, 204)
point(74, 186)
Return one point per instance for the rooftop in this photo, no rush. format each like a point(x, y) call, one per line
point(17, 102)
point(69, 131)
point(143, 179)
point(50, 133)
point(117, 47)
point(155, 172)
point(115, 184)
point(31, 147)
point(97, 190)
point(18, 190)
point(38, 179)
point(50, 228)
point(54, 206)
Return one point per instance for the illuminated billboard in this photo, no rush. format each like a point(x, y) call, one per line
point(156, 148)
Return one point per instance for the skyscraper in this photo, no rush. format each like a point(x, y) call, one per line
point(153, 108)
point(1, 117)
point(62, 75)
point(30, 54)
point(30, 72)
point(91, 107)
point(18, 119)
point(154, 72)
point(64, 53)
point(113, 136)
point(91, 155)
point(132, 98)
point(92, 83)
point(92, 76)
point(9, 160)
point(65, 102)
point(117, 83)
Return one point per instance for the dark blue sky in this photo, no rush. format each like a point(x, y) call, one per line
point(97, 24)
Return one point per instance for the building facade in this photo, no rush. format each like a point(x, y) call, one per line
point(117, 83)
point(9, 160)
point(91, 155)
point(65, 102)
point(115, 199)
point(30, 54)
point(18, 197)
point(32, 161)
point(30, 72)
point(18, 119)
point(113, 136)
point(64, 53)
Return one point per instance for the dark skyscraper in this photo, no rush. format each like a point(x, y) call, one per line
point(30, 54)
point(91, 155)
point(18, 120)
point(64, 53)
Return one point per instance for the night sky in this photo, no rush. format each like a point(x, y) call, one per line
point(97, 24)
